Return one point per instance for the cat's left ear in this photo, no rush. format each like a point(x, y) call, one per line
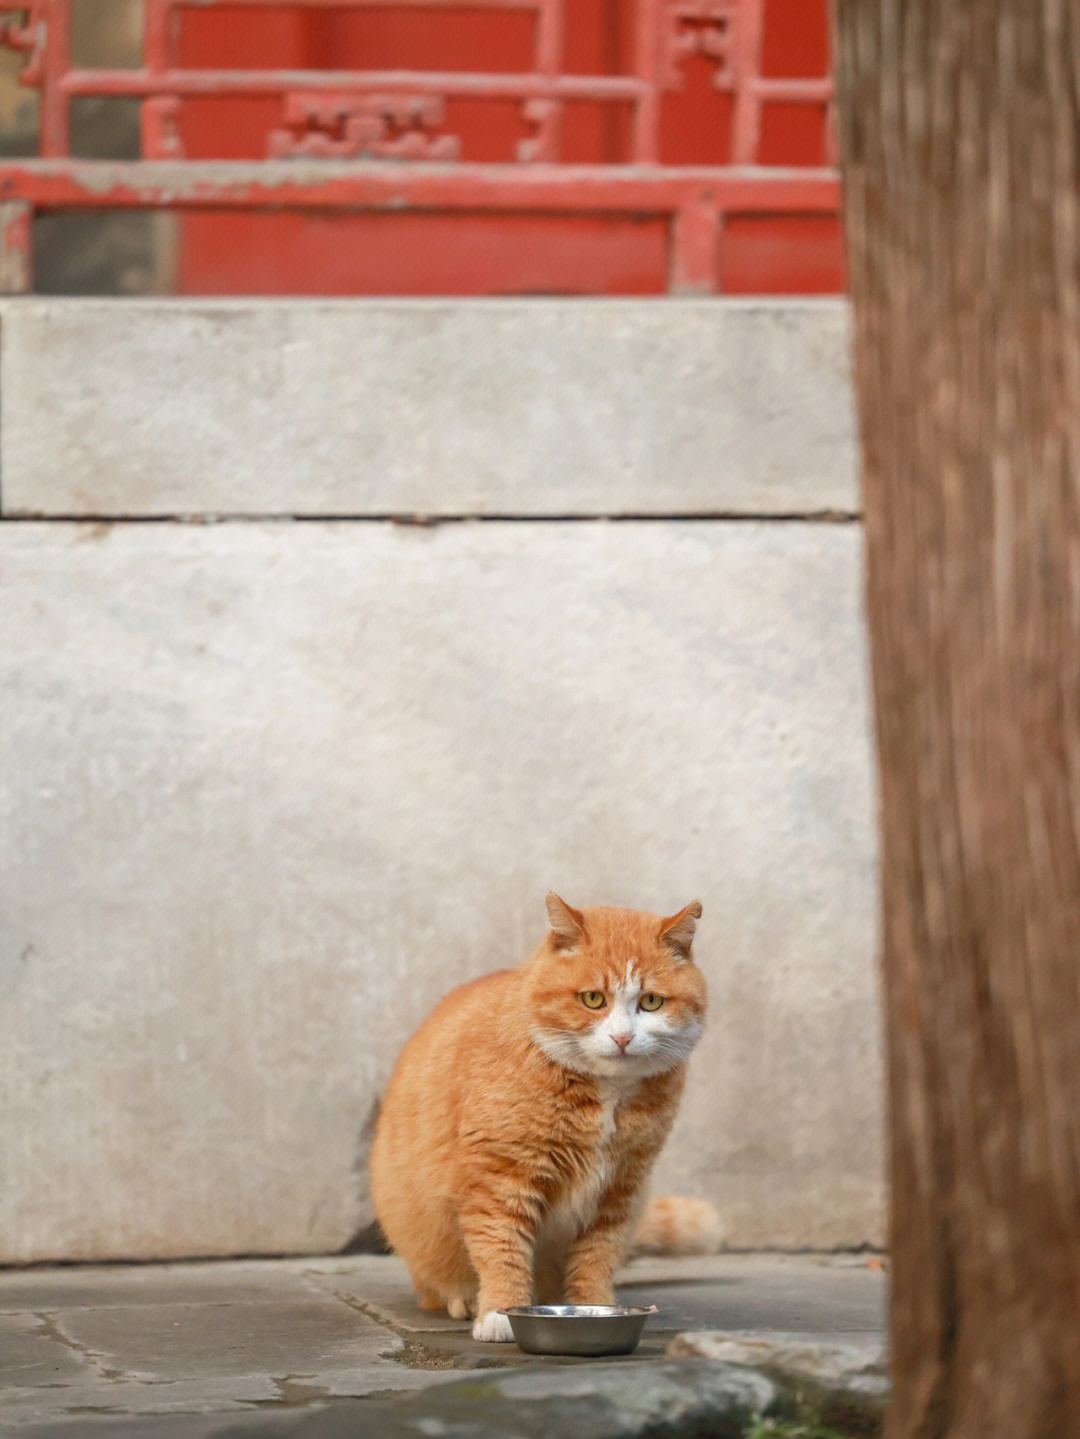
point(567, 923)
point(677, 931)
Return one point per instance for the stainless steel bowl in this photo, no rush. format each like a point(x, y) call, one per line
point(577, 1328)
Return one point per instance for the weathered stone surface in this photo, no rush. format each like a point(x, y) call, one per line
point(181, 1342)
point(36, 1355)
point(174, 1351)
point(595, 1401)
point(132, 1287)
point(178, 1340)
point(833, 1360)
point(846, 1377)
point(270, 790)
point(533, 407)
point(740, 1292)
point(257, 1421)
point(751, 1292)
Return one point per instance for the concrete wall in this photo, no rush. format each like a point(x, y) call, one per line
point(271, 786)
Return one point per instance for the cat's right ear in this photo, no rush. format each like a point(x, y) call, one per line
point(677, 931)
point(567, 924)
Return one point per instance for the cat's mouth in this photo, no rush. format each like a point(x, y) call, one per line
point(620, 1057)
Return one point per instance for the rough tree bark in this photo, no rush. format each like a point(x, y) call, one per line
point(959, 130)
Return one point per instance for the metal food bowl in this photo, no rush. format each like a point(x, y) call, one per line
point(577, 1328)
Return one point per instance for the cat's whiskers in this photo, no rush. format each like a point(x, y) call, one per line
point(559, 1046)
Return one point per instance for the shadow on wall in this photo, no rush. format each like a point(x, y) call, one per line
point(368, 1237)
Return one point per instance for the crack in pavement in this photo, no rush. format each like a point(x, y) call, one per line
point(357, 1305)
point(94, 1358)
point(414, 1353)
point(293, 1392)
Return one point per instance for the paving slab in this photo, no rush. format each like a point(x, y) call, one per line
point(124, 1286)
point(35, 1355)
point(167, 1340)
point(177, 1351)
point(170, 1343)
point(749, 1292)
point(597, 1401)
point(722, 1291)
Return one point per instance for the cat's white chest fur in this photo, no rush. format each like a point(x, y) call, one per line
point(577, 1206)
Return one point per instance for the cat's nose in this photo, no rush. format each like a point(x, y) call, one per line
point(622, 1040)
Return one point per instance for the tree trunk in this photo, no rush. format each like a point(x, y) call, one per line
point(960, 134)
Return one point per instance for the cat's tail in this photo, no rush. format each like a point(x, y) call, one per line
point(676, 1225)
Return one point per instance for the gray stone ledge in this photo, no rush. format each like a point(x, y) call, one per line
point(589, 1401)
point(429, 407)
point(844, 1376)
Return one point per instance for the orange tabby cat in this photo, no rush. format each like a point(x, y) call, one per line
point(525, 1113)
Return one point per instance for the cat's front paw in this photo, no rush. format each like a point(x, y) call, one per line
point(493, 1328)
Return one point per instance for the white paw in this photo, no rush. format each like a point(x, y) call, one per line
point(493, 1328)
point(457, 1308)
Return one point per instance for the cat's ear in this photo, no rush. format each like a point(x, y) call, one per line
point(567, 923)
point(677, 931)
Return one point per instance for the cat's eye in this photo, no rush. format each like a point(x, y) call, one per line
point(650, 1002)
point(592, 999)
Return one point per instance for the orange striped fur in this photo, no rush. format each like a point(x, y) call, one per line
point(524, 1115)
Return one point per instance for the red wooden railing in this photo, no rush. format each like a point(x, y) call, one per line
point(518, 137)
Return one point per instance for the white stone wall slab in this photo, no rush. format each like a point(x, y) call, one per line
point(429, 407)
point(269, 790)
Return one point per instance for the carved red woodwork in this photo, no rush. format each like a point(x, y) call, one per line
point(603, 145)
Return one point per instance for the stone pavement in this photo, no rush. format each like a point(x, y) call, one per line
point(185, 1351)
